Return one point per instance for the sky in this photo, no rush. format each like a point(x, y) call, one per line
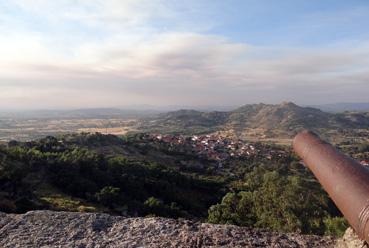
point(116, 53)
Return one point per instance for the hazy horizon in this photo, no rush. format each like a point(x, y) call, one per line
point(95, 54)
point(335, 106)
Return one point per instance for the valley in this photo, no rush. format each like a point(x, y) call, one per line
point(233, 167)
point(31, 129)
point(255, 122)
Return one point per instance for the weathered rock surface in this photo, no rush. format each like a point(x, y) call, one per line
point(63, 229)
point(350, 240)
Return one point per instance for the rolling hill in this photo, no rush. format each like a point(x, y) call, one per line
point(286, 117)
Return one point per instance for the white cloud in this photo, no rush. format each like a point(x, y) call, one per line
point(187, 67)
point(133, 63)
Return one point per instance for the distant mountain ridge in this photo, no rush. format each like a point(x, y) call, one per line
point(286, 116)
point(341, 107)
point(88, 113)
point(258, 120)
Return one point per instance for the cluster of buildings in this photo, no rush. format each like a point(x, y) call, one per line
point(215, 147)
point(364, 163)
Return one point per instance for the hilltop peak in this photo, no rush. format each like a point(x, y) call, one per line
point(288, 104)
point(286, 117)
point(261, 105)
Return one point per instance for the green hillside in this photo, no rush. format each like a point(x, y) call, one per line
point(140, 176)
point(66, 174)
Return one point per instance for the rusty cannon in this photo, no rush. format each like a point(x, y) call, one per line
point(345, 180)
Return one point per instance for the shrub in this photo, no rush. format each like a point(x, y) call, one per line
point(335, 226)
point(108, 195)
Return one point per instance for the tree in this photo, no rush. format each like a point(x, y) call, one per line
point(276, 201)
point(235, 209)
point(108, 195)
point(155, 206)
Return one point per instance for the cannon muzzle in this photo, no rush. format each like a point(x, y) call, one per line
point(345, 180)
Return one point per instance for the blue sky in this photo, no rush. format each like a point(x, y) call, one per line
point(294, 22)
point(102, 53)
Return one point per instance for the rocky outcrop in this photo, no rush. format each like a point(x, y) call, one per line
point(64, 229)
point(350, 240)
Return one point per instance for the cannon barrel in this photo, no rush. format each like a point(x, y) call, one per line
point(345, 180)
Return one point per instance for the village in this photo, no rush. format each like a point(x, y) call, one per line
point(216, 147)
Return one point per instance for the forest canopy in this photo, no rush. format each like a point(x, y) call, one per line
point(73, 174)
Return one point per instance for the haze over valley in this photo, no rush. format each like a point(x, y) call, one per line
point(167, 123)
point(278, 123)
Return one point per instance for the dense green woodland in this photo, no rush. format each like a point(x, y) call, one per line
point(72, 173)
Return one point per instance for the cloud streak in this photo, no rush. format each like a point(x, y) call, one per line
point(146, 65)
